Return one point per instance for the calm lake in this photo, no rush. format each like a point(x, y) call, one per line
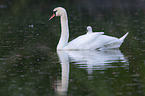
point(31, 66)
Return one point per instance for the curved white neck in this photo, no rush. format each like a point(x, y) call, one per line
point(64, 32)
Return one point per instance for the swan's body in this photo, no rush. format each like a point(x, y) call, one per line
point(89, 41)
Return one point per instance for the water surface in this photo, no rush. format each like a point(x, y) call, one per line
point(31, 66)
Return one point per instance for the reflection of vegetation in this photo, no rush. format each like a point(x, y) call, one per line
point(27, 40)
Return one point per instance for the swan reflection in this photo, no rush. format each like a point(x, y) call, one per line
point(90, 60)
point(96, 60)
point(62, 85)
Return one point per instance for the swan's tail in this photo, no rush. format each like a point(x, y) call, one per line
point(116, 43)
point(123, 37)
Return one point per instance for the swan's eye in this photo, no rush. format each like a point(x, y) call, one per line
point(55, 12)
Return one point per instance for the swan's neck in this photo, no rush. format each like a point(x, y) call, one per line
point(64, 32)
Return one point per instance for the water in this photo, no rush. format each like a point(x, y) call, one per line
point(31, 66)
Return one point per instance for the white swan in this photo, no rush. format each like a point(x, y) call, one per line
point(88, 41)
point(89, 30)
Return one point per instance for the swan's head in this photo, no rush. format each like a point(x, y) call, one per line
point(89, 29)
point(59, 11)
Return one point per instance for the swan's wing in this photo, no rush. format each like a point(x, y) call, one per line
point(99, 33)
point(82, 41)
point(101, 41)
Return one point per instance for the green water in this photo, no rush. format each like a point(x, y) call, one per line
point(31, 66)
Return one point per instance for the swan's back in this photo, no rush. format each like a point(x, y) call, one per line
point(94, 41)
point(90, 41)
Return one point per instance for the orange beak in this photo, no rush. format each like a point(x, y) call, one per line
point(52, 16)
